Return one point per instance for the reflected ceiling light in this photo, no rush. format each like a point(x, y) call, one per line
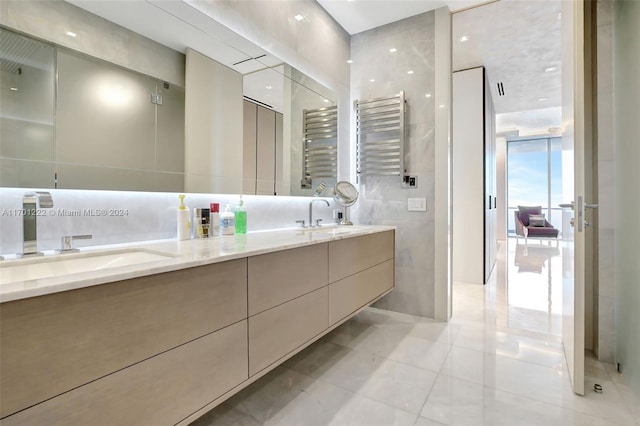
point(442, 106)
point(410, 72)
point(428, 95)
point(393, 50)
point(299, 17)
point(349, 61)
point(71, 34)
point(542, 99)
point(463, 39)
point(268, 87)
point(326, 100)
point(15, 89)
point(373, 80)
point(550, 69)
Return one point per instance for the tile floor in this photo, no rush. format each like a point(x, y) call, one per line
point(497, 362)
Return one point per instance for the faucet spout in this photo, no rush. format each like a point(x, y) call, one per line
point(311, 210)
point(30, 202)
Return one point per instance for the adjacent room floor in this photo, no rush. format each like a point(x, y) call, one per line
point(497, 362)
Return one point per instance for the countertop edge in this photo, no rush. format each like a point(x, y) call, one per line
point(185, 257)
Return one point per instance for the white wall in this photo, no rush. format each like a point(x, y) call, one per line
point(626, 65)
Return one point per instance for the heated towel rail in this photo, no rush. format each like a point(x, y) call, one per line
point(380, 136)
point(320, 158)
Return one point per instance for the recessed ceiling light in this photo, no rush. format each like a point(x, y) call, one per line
point(550, 69)
point(15, 89)
point(349, 61)
point(373, 80)
point(268, 87)
point(428, 95)
point(542, 99)
point(299, 17)
point(393, 50)
point(410, 72)
point(463, 39)
point(71, 34)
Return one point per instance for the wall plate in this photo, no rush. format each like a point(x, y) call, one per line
point(417, 204)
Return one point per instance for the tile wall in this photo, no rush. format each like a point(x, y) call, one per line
point(382, 200)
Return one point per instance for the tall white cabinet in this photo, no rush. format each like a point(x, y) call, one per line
point(474, 178)
point(262, 163)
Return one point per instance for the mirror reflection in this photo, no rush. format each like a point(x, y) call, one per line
point(101, 126)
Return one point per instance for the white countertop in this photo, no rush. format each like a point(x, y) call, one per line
point(177, 255)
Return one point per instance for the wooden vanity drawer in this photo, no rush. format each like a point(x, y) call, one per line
point(352, 255)
point(352, 293)
point(54, 343)
point(275, 278)
point(278, 331)
point(160, 391)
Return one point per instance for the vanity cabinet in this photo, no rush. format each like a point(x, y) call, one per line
point(167, 348)
point(52, 344)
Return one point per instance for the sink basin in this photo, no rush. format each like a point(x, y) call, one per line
point(54, 265)
point(334, 230)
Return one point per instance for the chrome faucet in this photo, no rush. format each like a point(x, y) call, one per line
point(30, 202)
point(311, 211)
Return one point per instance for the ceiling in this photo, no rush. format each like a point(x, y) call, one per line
point(356, 16)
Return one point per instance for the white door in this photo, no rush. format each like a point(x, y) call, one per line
point(573, 253)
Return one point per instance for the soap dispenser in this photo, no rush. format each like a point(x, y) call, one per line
point(241, 217)
point(227, 221)
point(184, 224)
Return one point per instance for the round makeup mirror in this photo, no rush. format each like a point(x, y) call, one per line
point(346, 195)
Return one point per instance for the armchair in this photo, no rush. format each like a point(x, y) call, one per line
point(526, 229)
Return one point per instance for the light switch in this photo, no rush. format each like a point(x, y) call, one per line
point(417, 204)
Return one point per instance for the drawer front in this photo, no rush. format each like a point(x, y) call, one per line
point(159, 391)
point(53, 343)
point(351, 255)
point(356, 291)
point(275, 278)
point(278, 331)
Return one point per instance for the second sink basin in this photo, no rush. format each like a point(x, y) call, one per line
point(54, 265)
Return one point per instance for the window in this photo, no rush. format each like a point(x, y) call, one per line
point(534, 177)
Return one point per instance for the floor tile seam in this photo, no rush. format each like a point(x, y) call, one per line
point(424, 403)
point(510, 358)
point(519, 395)
point(351, 391)
point(344, 388)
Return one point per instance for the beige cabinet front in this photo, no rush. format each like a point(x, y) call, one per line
point(52, 344)
point(163, 390)
point(280, 330)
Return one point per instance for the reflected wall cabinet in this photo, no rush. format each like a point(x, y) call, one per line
point(262, 150)
point(474, 177)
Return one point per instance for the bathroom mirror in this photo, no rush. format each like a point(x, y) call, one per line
point(145, 150)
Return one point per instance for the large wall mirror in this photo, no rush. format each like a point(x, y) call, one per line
point(72, 121)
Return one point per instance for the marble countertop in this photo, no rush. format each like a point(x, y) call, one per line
point(172, 255)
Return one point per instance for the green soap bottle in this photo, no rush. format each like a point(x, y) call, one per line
point(241, 218)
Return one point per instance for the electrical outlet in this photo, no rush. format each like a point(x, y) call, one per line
point(417, 204)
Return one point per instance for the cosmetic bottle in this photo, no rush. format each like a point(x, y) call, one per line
point(227, 221)
point(241, 217)
point(214, 219)
point(184, 224)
